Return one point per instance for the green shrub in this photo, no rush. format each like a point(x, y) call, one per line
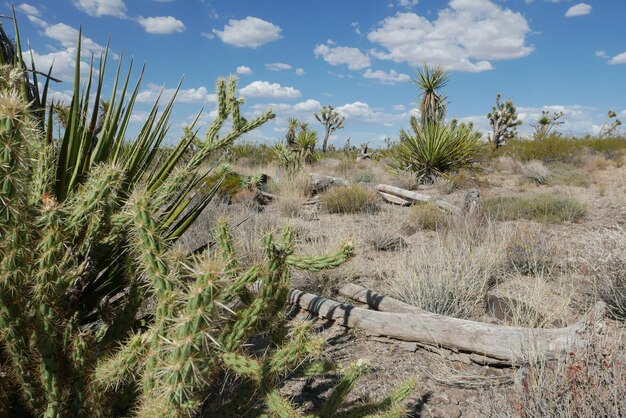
point(364, 176)
point(352, 198)
point(428, 216)
point(563, 149)
point(436, 149)
point(544, 208)
point(567, 175)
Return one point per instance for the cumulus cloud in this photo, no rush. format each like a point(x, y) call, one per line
point(30, 10)
point(193, 95)
point(465, 36)
point(407, 3)
point(578, 120)
point(63, 63)
point(250, 32)
point(299, 71)
point(618, 59)
point(278, 66)
point(67, 36)
point(341, 55)
point(579, 9)
point(270, 90)
point(115, 8)
point(392, 77)
point(362, 112)
point(161, 25)
point(244, 70)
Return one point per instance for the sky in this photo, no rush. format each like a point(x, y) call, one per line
point(359, 56)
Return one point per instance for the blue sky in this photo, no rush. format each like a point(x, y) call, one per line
point(357, 55)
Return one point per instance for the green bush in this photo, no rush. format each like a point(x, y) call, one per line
point(352, 198)
point(567, 175)
point(544, 208)
point(563, 149)
point(436, 149)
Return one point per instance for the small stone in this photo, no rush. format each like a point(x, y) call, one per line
point(447, 411)
point(408, 346)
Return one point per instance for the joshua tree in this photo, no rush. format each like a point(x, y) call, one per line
point(545, 125)
point(331, 121)
point(433, 103)
point(610, 129)
point(504, 122)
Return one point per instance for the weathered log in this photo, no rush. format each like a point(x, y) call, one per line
point(394, 199)
point(377, 300)
point(511, 344)
point(320, 182)
point(415, 197)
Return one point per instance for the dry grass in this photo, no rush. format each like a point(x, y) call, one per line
point(588, 382)
point(535, 171)
point(353, 198)
point(451, 274)
point(429, 216)
point(548, 208)
point(291, 194)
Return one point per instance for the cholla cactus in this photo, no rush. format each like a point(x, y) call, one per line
point(331, 120)
point(504, 122)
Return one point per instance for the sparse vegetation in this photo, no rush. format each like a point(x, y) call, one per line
point(353, 198)
point(428, 216)
point(543, 208)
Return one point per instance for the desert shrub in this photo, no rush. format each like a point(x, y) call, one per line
point(567, 175)
point(536, 171)
point(428, 216)
point(291, 192)
point(352, 198)
point(435, 149)
point(249, 154)
point(452, 274)
point(530, 252)
point(544, 208)
point(610, 148)
point(551, 149)
point(589, 381)
point(364, 176)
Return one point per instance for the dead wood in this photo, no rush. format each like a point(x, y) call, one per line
point(509, 344)
point(415, 196)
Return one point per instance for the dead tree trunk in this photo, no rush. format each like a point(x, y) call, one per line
point(415, 197)
point(510, 344)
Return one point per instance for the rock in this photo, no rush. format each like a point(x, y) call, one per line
point(447, 411)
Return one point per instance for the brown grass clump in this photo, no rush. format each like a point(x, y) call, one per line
point(353, 198)
point(291, 194)
point(567, 175)
point(587, 382)
point(536, 171)
point(428, 216)
point(548, 208)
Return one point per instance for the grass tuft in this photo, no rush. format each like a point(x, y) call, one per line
point(546, 208)
point(352, 198)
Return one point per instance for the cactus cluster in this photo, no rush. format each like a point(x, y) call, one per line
point(100, 314)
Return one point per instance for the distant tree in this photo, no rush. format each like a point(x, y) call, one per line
point(504, 122)
point(611, 128)
point(331, 120)
point(546, 124)
point(432, 105)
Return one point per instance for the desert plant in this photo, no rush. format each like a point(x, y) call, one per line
point(65, 360)
point(536, 171)
point(546, 125)
point(352, 198)
point(290, 160)
point(436, 149)
point(428, 216)
point(432, 105)
point(610, 129)
point(543, 207)
point(504, 122)
point(331, 120)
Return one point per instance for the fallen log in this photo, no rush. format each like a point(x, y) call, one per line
point(415, 197)
point(510, 344)
point(394, 199)
point(377, 300)
point(321, 182)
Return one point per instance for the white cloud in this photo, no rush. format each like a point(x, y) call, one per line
point(63, 63)
point(278, 66)
point(193, 95)
point(243, 70)
point(161, 25)
point(392, 77)
point(207, 35)
point(250, 32)
point(399, 107)
point(601, 54)
point(578, 120)
point(68, 36)
point(357, 28)
point(618, 59)
point(465, 36)
point(363, 113)
point(270, 90)
point(407, 3)
point(30, 10)
point(98, 8)
point(579, 9)
point(341, 55)
point(299, 71)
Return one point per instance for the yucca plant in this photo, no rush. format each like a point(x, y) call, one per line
point(100, 315)
point(435, 149)
point(432, 105)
